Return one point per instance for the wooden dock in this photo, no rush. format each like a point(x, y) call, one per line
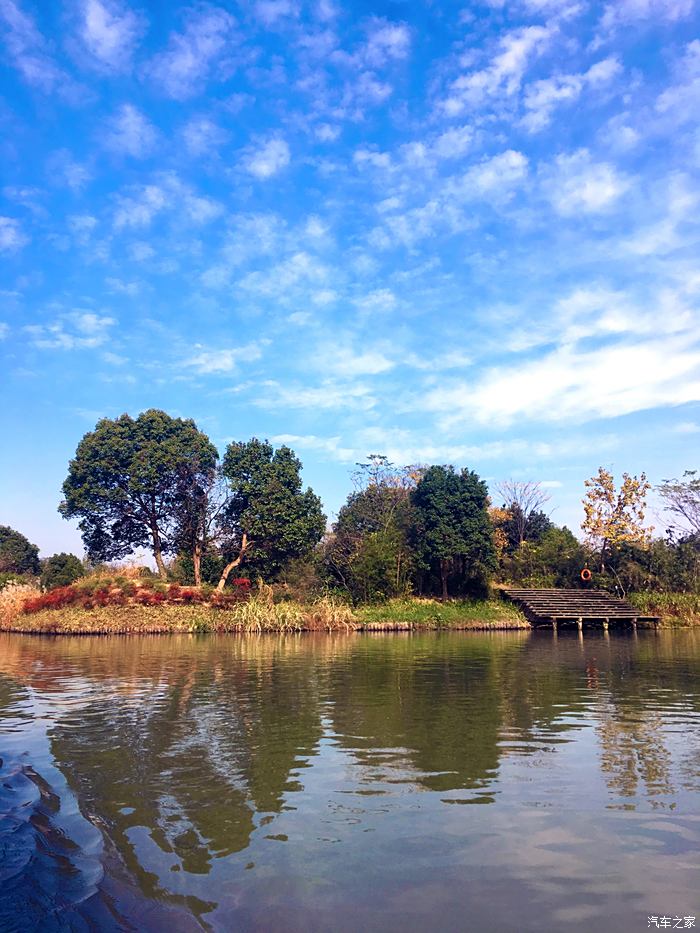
point(552, 607)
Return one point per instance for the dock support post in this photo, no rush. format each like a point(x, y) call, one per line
point(605, 625)
point(555, 627)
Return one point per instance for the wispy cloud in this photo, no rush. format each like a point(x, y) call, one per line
point(543, 97)
point(267, 159)
point(76, 330)
point(576, 183)
point(224, 360)
point(202, 136)
point(576, 385)
point(109, 32)
point(31, 55)
point(503, 76)
point(130, 133)
point(199, 53)
point(11, 236)
point(271, 12)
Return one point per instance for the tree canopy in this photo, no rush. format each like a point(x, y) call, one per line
point(125, 482)
point(17, 553)
point(615, 517)
point(268, 518)
point(682, 499)
point(61, 570)
point(369, 552)
point(453, 528)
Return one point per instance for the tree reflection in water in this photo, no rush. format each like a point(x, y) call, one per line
point(184, 750)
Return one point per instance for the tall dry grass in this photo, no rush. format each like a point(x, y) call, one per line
point(12, 599)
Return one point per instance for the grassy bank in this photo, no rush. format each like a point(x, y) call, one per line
point(676, 610)
point(259, 614)
point(432, 614)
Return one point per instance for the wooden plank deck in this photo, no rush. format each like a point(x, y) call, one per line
point(571, 606)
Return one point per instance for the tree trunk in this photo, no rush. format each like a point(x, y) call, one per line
point(443, 577)
point(197, 563)
point(245, 544)
point(158, 553)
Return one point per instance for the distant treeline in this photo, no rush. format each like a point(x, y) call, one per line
point(158, 482)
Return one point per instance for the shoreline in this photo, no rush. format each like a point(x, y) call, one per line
point(260, 616)
point(279, 618)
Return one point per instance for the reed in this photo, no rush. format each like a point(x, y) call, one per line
point(674, 609)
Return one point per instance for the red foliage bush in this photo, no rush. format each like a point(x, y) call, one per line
point(54, 599)
point(99, 594)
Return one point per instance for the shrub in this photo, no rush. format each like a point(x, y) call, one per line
point(61, 570)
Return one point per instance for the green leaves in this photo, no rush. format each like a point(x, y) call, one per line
point(125, 481)
point(267, 504)
point(453, 530)
point(17, 553)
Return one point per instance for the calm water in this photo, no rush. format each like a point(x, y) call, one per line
point(435, 782)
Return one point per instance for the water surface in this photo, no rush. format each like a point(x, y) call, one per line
point(506, 781)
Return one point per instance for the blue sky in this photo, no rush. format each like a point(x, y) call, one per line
point(447, 232)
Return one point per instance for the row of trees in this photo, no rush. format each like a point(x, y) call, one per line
point(158, 483)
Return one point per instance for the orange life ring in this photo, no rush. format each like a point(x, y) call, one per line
point(586, 574)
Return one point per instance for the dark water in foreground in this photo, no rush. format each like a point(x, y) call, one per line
point(433, 782)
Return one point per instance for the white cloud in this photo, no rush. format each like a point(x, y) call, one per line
point(573, 385)
point(62, 168)
point(680, 103)
point(576, 184)
point(109, 32)
point(77, 330)
point(224, 360)
point(624, 12)
point(345, 362)
point(139, 209)
point(301, 269)
point(141, 251)
point(327, 132)
point(11, 236)
point(4, 330)
point(121, 287)
point(453, 143)
point(543, 97)
point(267, 159)
point(189, 61)
point(202, 210)
point(331, 446)
point(30, 54)
point(679, 201)
point(497, 177)
point(202, 136)
point(270, 12)
point(686, 427)
point(378, 301)
point(503, 76)
point(386, 41)
point(330, 395)
point(143, 203)
point(130, 133)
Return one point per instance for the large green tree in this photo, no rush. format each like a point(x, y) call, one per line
point(268, 519)
point(369, 553)
point(125, 483)
point(453, 530)
point(17, 553)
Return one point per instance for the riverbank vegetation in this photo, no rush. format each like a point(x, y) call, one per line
point(239, 544)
